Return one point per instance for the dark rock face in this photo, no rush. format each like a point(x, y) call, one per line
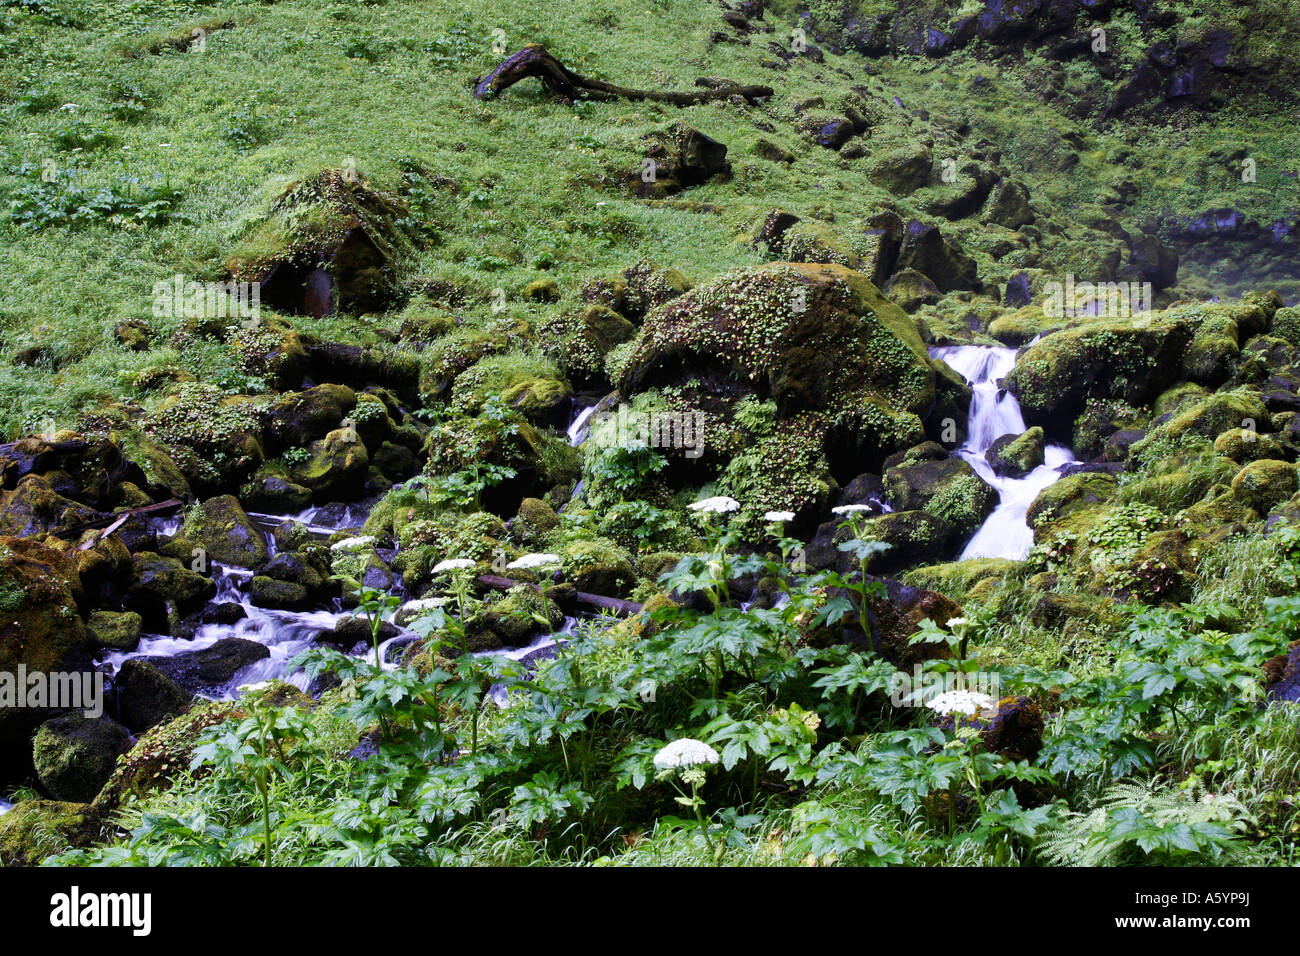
point(144, 696)
point(211, 668)
point(678, 159)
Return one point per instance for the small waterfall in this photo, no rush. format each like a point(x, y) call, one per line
point(542, 647)
point(577, 431)
point(5, 807)
point(995, 412)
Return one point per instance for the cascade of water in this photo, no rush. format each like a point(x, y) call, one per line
point(577, 431)
point(5, 806)
point(995, 412)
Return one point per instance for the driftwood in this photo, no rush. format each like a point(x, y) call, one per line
point(617, 605)
point(116, 519)
point(534, 60)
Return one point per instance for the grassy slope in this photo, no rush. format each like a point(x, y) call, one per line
point(303, 87)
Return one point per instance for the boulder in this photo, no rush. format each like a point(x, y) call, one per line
point(222, 528)
point(948, 488)
point(117, 630)
point(36, 829)
point(74, 755)
point(212, 668)
point(1264, 484)
point(337, 467)
point(1014, 456)
point(145, 696)
point(34, 508)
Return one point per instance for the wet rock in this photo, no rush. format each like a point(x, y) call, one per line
point(74, 755)
point(911, 290)
point(278, 595)
point(222, 528)
point(144, 696)
point(297, 419)
point(1019, 293)
point(157, 581)
point(212, 668)
point(118, 630)
point(1014, 456)
point(926, 250)
point(914, 537)
point(682, 157)
point(948, 488)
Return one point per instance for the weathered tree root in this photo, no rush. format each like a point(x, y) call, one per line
point(558, 80)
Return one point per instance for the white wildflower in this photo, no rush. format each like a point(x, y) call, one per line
point(961, 702)
point(452, 564)
point(686, 752)
point(353, 544)
point(849, 509)
point(719, 504)
point(530, 561)
point(777, 516)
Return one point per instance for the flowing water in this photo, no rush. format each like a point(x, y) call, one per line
point(994, 412)
point(286, 634)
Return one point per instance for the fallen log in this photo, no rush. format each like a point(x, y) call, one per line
point(599, 601)
point(116, 519)
point(534, 60)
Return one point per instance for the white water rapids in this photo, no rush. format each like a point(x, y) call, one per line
point(995, 412)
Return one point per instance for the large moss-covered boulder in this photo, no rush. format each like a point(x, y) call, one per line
point(222, 528)
point(1264, 484)
point(36, 829)
point(299, 418)
point(35, 508)
point(1070, 495)
point(818, 339)
point(1130, 359)
point(1214, 414)
point(40, 629)
point(158, 580)
point(74, 754)
point(948, 488)
point(337, 467)
point(329, 242)
point(212, 668)
point(598, 566)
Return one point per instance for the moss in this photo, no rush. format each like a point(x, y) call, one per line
point(957, 579)
point(598, 566)
point(221, 527)
point(1071, 494)
point(1264, 484)
point(36, 829)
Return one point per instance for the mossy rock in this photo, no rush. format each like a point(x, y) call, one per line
point(1263, 484)
point(598, 566)
point(534, 520)
point(1214, 414)
point(1244, 445)
point(542, 290)
point(167, 580)
point(1221, 515)
point(222, 528)
point(914, 538)
point(510, 620)
point(40, 628)
point(34, 508)
point(36, 829)
point(1286, 324)
point(119, 630)
point(912, 289)
point(163, 478)
point(337, 466)
point(1070, 494)
point(74, 755)
point(816, 338)
point(949, 489)
point(167, 750)
point(1014, 456)
point(1022, 326)
point(957, 579)
point(1133, 360)
point(298, 418)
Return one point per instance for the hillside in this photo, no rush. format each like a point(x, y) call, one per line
point(838, 432)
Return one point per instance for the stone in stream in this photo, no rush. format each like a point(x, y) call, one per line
point(352, 630)
point(74, 755)
point(1014, 456)
point(949, 489)
point(211, 668)
point(222, 528)
point(275, 494)
point(119, 630)
point(144, 696)
point(337, 466)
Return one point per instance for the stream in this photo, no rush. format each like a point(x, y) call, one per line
point(994, 412)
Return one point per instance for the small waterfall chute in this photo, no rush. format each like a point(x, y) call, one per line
point(994, 412)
